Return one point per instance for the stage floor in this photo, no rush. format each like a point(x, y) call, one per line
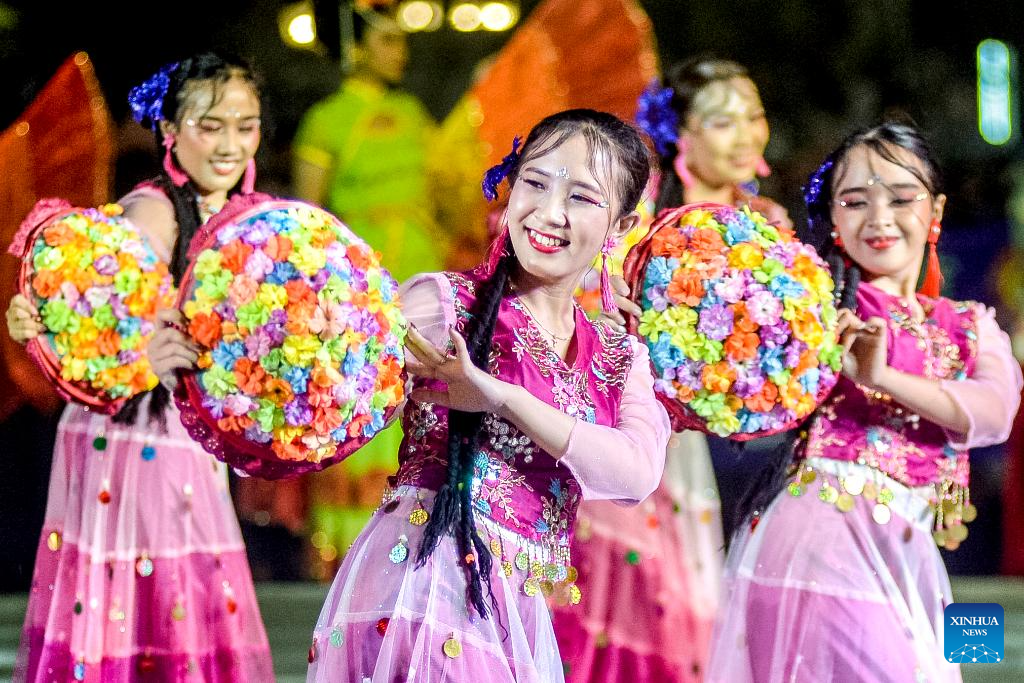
point(291, 609)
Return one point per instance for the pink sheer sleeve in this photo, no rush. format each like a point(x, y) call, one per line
point(131, 203)
point(427, 302)
point(991, 396)
point(624, 462)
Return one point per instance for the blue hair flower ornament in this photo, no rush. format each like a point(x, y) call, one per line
point(813, 188)
point(657, 118)
point(495, 174)
point(147, 99)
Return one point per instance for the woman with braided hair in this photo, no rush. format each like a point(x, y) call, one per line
point(836, 575)
point(141, 573)
point(520, 408)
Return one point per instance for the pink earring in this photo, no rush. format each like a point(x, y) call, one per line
point(249, 179)
point(607, 301)
point(683, 146)
point(763, 170)
point(173, 172)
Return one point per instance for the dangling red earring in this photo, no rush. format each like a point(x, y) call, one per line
point(932, 284)
point(679, 164)
point(763, 170)
point(607, 300)
point(836, 239)
point(177, 176)
point(249, 179)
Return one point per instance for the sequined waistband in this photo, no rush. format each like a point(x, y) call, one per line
point(942, 509)
point(542, 567)
point(913, 504)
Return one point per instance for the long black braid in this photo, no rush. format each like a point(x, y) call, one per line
point(627, 163)
point(217, 69)
point(885, 140)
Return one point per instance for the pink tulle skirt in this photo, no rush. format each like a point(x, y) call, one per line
point(385, 620)
point(650, 576)
point(816, 594)
point(141, 573)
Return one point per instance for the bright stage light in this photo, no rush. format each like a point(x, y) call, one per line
point(498, 16)
point(420, 16)
point(465, 17)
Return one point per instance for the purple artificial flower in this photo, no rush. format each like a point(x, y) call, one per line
point(297, 412)
point(665, 388)
point(320, 279)
point(257, 345)
point(105, 264)
point(659, 301)
point(226, 311)
point(238, 405)
point(258, 233)
point(82, 308)
point(125, 357)
point(120, 309)
point(748, 383)
point(214, 405)
point(793, 351)
point(781, 252)
point(259, 265)
point(731, 287)
point(689, 373)
point(145, 326)
point(97, 296)
point(276, 332)
point(774, 336)
point(764, 308)
point(716, 322)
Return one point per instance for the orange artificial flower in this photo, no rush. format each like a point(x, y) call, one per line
point(326, 421)
point(58, 234)
point(298, 291)
point(668, 242)
point(764, 400)
point(290, 451)
point(249, 376)
point(355, 427)
point(278, 248)
point(234, 255)
point(686, 287)
point(278, 391)
point(706, 242)
point(46, 283)
point(684, 393)
point(109, 342)
point(205, 329)
point(298, 317)
point(742, 346)
point(235, 423)
point(718, 377)
point(358, 257)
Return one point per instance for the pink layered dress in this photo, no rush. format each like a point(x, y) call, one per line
point(385, 619)
point(841, 578)
point(141, 573)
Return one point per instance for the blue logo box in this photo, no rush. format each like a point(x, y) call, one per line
point(973, 633)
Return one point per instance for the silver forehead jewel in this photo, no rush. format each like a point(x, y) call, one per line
point(563, 172)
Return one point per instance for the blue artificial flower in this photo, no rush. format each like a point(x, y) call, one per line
point(659, 271)
point(146, 100)
point(657, 118)
point(784, 286)
point(498, 172)
point(227, 353)
point(282, 273)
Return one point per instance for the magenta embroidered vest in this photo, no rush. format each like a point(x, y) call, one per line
point(517, 487)
point(858, 424)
